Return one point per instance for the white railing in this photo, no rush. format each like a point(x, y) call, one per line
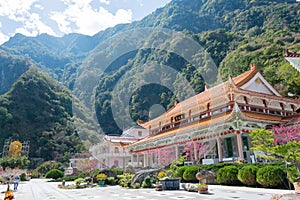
point(109, 155)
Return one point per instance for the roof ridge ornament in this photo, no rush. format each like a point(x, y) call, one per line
point(230, 82)
point(206, 87)
point(236, 108)
point(253, 67)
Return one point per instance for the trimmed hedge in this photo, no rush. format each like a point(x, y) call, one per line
point(270, 176)
point(247, 175)
point(23, 177)
point(228, 175)
point(180, 171)
point(190, 173)
point(55, 174)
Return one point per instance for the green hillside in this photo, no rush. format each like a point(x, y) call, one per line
point(235, 33)
point(39, 110)
point(11, 68)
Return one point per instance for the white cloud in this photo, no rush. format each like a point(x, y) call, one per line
point(33, 26)
point(39, 6)
point(107, 2)
point(19, 11)
point(3, 38)
point(140, 2)
point(87, 19)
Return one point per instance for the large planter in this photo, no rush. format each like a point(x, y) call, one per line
point(297, 187)
point(170, 183)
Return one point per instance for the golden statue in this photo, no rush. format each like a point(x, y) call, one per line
point(15, 148)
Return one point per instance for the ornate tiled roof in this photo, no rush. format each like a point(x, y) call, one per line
point(245, 77)
point(291, 54)
point(206, 95)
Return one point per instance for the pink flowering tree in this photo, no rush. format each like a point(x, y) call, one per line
point(87, 165)
point(191, 147)
point(281, 143)
point(165, 157)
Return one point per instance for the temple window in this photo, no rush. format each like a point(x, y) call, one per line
point(179, 117)
point(116, 150)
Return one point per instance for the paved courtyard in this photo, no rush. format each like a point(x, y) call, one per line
point(38, 189)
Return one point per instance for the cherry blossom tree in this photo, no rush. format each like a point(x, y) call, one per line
point(281, 143)
point(87, 165)
point(165, 157)
point(191, 147)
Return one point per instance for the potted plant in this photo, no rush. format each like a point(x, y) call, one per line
point(101, 178)
point(202, 188)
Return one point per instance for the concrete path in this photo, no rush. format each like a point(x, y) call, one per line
point(38, 189)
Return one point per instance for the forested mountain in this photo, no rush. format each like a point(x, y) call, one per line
point(235, 33)
point(39, 110)
point(59, 57)
point(11, 68)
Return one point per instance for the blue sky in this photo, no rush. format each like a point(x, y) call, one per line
point(59, 17)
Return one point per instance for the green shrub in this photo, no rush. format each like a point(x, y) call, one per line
point(217, 166)
point(292, 173)
point(147, 183)
point(190, 173)
point(270, 176)
point(23, 177)
point(228, 175)
point(136, 186)
point(111, 180)
point(179, 171)
point(55, 174)
point(79, 181)
point(45, 167)
point(247, 175)
point(2, 180)
point(125, 179)
point(118, 171)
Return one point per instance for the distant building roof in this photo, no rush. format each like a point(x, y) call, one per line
point(293, 58)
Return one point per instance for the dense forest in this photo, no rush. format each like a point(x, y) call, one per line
point(233, 34)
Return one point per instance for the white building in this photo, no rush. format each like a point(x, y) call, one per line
point(110, 152)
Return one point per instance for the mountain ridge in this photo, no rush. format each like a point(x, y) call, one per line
point(236, 33)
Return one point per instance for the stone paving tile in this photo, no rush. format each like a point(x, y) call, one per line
point(41, 190)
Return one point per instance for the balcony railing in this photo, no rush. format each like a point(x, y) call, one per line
point(112, 155)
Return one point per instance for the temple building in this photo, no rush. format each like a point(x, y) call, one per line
point(214, 125)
